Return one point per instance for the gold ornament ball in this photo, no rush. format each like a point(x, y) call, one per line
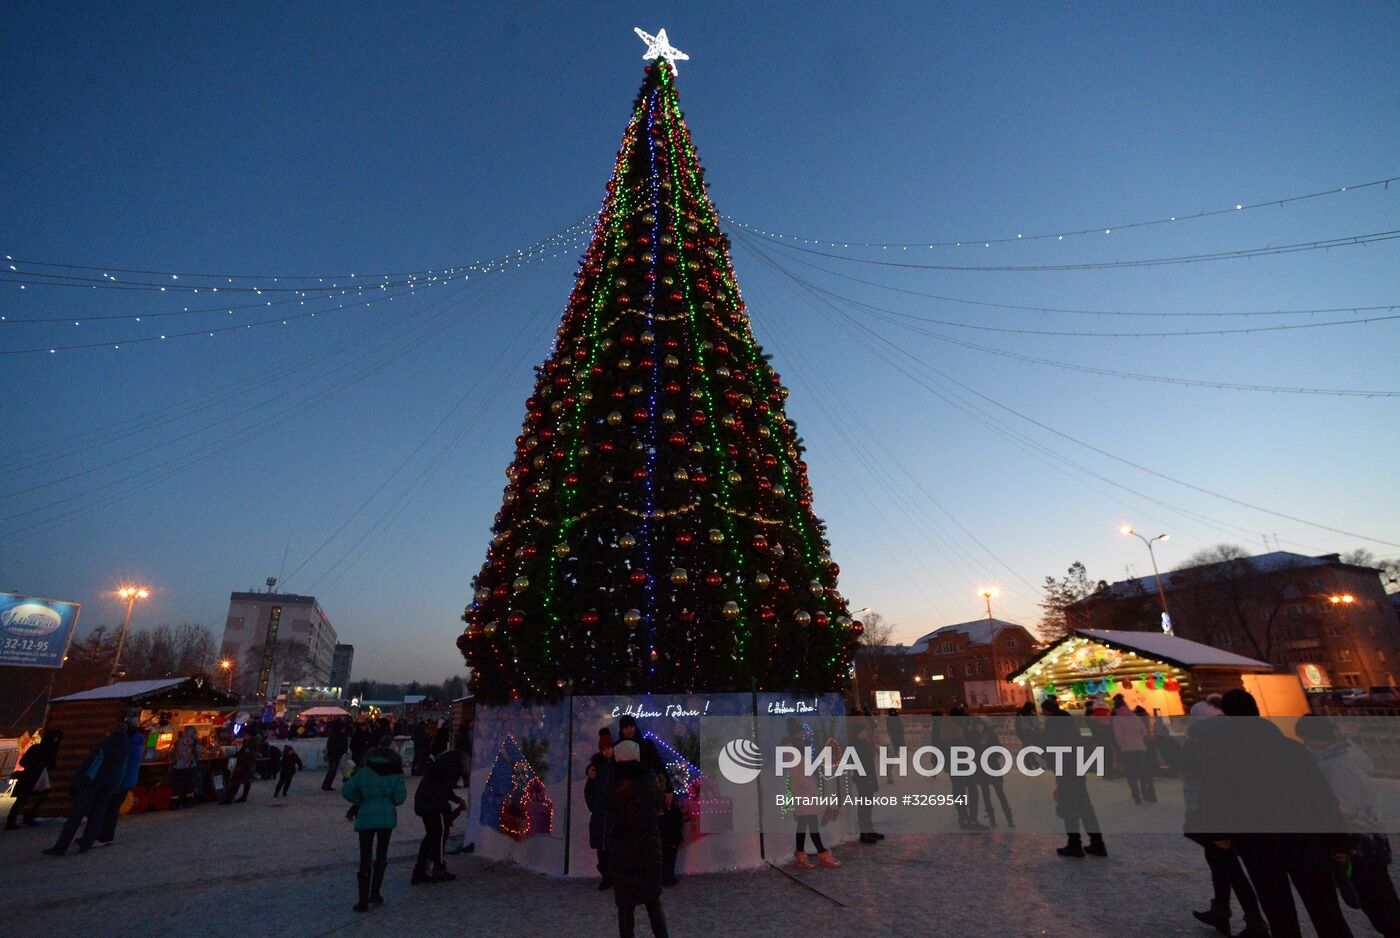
point(614, 419)
point(735, 478)
point(716, 536)
point(634, 390)
point(697, 447)
point(482, 595)
point(802, 617)
point(521, 584)
point(679, 576)
point(627, 542)
point(648, 338)
point(816, 586)
point(670, 361)
point(668, 416)
point(632, 618)
point(730, 610)
point(680, 475)
point(561, 550)
point(762, 580)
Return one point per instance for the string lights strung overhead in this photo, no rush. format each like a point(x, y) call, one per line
point(1066, 231)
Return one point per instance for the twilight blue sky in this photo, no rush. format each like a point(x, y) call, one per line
point(292, 139)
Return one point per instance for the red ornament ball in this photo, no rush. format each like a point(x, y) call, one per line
point(639, 577)
point(589, 618)
point(516, 617)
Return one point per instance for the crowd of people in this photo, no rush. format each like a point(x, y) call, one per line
point(1273, 815)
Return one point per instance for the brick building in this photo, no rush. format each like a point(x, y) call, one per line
point(1313, 615)
point(967, 664)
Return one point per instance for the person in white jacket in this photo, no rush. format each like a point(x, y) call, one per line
point(1348, 768)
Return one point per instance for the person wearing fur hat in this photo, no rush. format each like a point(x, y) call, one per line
point(634, 839)
point(627, 728)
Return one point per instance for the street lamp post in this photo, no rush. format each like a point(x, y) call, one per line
point(227, 665)
point(130, 594)
point(987, 593)
point(1161, 593)
point(855, 663)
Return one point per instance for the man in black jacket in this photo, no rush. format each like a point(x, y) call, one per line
point(1071, 788)
point(433, 802)
point(337, 744)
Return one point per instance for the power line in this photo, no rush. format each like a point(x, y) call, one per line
point(1355, 310)
point(879, 312)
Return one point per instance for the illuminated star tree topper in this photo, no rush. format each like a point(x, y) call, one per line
point(659, 47)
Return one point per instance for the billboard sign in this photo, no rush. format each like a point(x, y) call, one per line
point(35, 632)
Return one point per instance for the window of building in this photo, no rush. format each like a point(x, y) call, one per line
point(1344, 654)
point(1351, 680)
point(947, 648)
point(1011, 642)
point(967, 669)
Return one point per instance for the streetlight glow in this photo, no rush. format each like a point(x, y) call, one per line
point(1126, 529)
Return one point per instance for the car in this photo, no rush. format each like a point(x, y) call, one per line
point(1349, 696)
point(1383, 695)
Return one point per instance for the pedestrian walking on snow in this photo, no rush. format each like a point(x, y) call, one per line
point(375, 793)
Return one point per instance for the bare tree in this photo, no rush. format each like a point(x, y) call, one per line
point(1222, 588)
point(291, 662)
point(1060, 594)
point(1220, 553)
point(169, 651)
point(1389, 569)
point(878, 630)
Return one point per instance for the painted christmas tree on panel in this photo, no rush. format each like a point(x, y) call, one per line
point(657, 532)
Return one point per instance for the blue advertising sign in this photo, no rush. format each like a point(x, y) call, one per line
point(35, 632)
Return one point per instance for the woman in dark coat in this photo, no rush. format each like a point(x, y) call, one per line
point(595, 796)
point(433, 802)
point(37, 759)
point(634, 840)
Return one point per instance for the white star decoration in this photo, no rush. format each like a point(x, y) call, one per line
point(659, 47)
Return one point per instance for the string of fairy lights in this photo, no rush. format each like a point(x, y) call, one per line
point(1061, 232)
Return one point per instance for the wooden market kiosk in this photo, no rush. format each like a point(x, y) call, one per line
point(163, 708)
point(1162, 673)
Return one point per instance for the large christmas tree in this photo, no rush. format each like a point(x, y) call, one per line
point(657, 531)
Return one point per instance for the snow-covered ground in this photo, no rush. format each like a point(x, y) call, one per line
point(287, 867)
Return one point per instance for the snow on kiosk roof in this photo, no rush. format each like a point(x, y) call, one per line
point(124, 690)
point(1168, 649)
